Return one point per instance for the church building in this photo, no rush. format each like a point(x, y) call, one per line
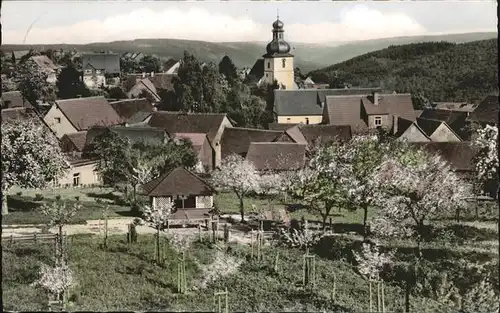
point(278, 62)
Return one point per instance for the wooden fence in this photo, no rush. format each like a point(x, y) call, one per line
point(36, 238)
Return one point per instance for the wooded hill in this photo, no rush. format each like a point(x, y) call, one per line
point(439, 71)
point(244, 54)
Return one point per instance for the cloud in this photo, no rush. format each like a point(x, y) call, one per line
point(356, 23)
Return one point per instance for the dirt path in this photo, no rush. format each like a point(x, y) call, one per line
point(117, 226)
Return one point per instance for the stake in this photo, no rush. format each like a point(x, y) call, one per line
point(383, 299)
point(334, 291)
point(371, 303)
point(199, 232)
point(251, 244)
point(106, 233)
point(378, 297)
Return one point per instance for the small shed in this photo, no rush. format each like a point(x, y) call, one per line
point(193, 197)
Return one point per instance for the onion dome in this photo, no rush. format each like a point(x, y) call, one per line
point(278, 24)
point(278, 46)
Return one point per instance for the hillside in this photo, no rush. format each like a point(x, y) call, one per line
point(244, 54)
point(441, 71)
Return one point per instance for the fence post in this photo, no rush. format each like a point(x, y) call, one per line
point(34, 238)
point(199, 232)
point(11, 239)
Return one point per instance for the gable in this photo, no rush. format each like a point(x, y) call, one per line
point(237, 140)
point(444, 133)
point(487, 111)
point(413, 134)
point(179, 181)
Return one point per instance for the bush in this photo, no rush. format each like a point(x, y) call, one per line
point(77, 198)
point(19, 193)
point(58, 197)
point(38, 197)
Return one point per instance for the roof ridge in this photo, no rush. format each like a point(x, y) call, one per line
point(127, 100)
point(83, 98)
point(188, 113)
point(256, 129)
point(276, 142)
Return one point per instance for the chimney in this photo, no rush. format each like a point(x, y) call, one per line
point(375, 98)
point(152, 74)
point(395, 124)
point(143, 74)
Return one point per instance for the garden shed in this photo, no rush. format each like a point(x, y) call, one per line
point(193, 197)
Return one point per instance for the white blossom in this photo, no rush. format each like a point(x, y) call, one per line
point(222, 266)
point(60, 213)
point(143, 172)
point(481, 298)
point(55, 280)
point(303, 239)
point(237, 174)
point(180, 242)
point(417, 185)
point(371, 261)
point(31, 156)
point(158, 216)
point(487, 158)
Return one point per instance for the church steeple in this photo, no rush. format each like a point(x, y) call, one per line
point(278, 46)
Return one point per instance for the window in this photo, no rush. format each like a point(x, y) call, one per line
point(57, 120)
point(378, 121)
point(288, 120)
point(268, 64)
point(307, 121)
point(284, 62)
point(267, 75)
point(76, 179)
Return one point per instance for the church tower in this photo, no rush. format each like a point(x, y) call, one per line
point(278, 62)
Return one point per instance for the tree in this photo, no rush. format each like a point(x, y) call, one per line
point(70, 85)
point(150, 64)
point(31, 156)
point(129, 66)
point(228, 69)
point(361, 156)
point(322, 183)
point(157, 217)
point(55, 280)
point(271, 185)
point(33, 83)
point(121, 159)
point(117, 93)
point(418, 186)
point(487, 158)
point(60, 215)
point(239, 175)
point(13, 58)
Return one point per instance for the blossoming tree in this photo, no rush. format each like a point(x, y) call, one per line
point(60, 215)
point(487, 158)
point(416, 186)
point(55, 280)
point(239, 175)
point(31, 156)
point(360, 157)
point(322, 183)
point(157, 217)
point(271, 185)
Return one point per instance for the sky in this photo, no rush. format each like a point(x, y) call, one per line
point(80, 22)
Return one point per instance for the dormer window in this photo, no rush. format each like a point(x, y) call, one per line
point(283, 62)
point(377, 120)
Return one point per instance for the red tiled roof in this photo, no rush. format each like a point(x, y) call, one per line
point(277, 155)
point(83, 113)
point(179, 181)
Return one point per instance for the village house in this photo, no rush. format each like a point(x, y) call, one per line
point(152, 83)
point(238, 139)
point(81, 173)
point(73, 143)
point(46, 66)
point(486, 112)
point(211, 124)
point(97, 67)
point(74, 115)
point(277, 156)
point(454, 106)
point(130, 109)
point(307, 105)
point(313, 135)
point(14, 99)
point(171, 67)
point(410, 131)
point(363, 113)
point(456, 120)
point(202, 148)
point(192, 196)
point(437, 131)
